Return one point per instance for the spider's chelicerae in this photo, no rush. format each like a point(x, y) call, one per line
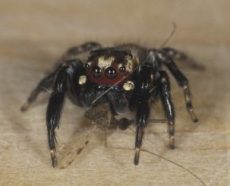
point(124, 76)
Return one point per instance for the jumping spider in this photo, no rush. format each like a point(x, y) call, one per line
point(125, 76)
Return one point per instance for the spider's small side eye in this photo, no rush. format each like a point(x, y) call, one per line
point(96, 71)
point(110, 73)
point(122, 69)
point(87, 65)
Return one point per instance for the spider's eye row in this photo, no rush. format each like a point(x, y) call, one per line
point(110, 73)
point(122, 69)
point(96, 71)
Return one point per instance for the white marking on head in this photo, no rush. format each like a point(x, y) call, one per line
point(105, 62)
point(129, 65)
point(120, 65)
point(89, 63)
point(82, 80)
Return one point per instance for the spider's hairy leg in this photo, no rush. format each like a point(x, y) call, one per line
point(56, 101)
point(168, 107)
point(47, 82)
point(73, 52)
point(182, 82)
point(142, 105)
point(44, 85)
point(177, 55)
point(85, 47)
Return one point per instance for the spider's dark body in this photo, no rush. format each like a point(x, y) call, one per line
point(125, 76)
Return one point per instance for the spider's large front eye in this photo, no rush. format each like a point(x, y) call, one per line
point(96, 71)
point(110, 73)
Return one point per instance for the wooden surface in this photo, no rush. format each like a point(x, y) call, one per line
point(33, 34)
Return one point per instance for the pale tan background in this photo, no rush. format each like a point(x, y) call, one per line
point(33, 34)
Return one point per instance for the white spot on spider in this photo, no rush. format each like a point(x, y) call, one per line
point(131, 62)
point(105, 62)
point(163, 80)
point(171, 53)
point(152, 77)
point(129, 65)
point(161, 56)
point(120, 65)
point(89, 63)
point(82, 80)
point(129, 85)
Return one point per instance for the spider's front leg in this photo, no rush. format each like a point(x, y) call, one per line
point(69, 72)
point(142, 105)
point(75, 51)
point(168, 107)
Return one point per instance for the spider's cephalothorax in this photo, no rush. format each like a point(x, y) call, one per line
point(110, 66)
point(126, 77)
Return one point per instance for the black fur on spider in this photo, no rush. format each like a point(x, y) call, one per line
point(125, 76)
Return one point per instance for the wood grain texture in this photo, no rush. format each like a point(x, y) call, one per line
point(33, 34)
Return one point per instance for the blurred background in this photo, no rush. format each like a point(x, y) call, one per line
point(35, 33)
point(148, 21)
